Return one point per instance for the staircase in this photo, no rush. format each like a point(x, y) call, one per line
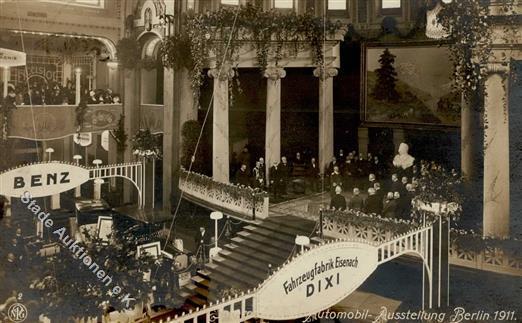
point(245, 262)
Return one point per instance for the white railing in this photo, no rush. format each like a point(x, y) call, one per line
point(225, 197)
point(242, 307)
point(415, 241)
point(489, 259)
point(237, 309)
point(132, 171)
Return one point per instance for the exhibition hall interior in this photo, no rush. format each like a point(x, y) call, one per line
point(260, 160)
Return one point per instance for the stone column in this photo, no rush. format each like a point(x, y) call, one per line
point(113, 79)
point(363, 140)
point(171, 141)
point(273, 116)
point(326, 116)
point(189, 106)
point(466, 139)
point(220, 140)
point(67, 72)
point(496, 152)
point(131, 124)
point(67, 145)
point(6, 76)
point(78, 96)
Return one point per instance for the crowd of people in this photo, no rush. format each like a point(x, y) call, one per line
point(54, 93)
point(376, 187)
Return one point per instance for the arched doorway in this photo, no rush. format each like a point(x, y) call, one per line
point(151, 70)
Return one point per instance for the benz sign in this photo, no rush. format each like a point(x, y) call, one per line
point(316, 280)
point(43, 179)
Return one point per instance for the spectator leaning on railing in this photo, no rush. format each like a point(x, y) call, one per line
point(53, 93)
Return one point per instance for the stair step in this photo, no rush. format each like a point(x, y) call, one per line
point(234, 274)
point(241, 266)
point(197, 301)
point(248, 275)
point(220, 281)
point(247, 260)
point(285, 230)
point(200, 281)
point(184, 294)
point(204, 273)
point(285, 237)
point(289, 221)
point(261, 246)
point(202, 292)
point(253, 254)
point(270, 241)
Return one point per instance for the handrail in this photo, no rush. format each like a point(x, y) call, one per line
point(213, 311)
point(494, 258)
point(236, 199)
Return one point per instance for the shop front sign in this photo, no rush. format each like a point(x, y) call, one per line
point(316, 280)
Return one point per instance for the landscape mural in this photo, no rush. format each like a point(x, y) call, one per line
point(409, 84)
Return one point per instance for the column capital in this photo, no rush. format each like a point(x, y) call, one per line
point(274, 73)
point(325, 73)
point(497, 68)
point(226, 72)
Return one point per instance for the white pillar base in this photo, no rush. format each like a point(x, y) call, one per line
point(55, 202)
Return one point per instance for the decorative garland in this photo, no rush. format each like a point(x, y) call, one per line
point(471, 241)
point(272, 34)
point(469, 25)
point(146, 145)
point(361, 219)
point(234, 191)
point(129, 52)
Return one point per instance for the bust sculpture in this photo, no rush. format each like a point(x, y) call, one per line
point(403, 160)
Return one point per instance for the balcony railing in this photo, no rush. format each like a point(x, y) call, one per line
point(240, 201)
point(495, 258)
point(46, 122)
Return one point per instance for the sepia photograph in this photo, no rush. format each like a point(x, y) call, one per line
point(308, 161)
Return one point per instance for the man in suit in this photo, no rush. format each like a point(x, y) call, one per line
point(285, 170)
point(338, 201)
point(242, 176)
point(336, 179)
point(378, 192)
point(371, 181)
point(356, 202)
point(202, 240)
point(373, 204)
point(275, 179)
point(314, 175)
point(395, 185)
point(331, 166)
point(390, 206)
point(348, 172)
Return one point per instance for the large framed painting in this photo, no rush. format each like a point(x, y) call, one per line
point(408, 84)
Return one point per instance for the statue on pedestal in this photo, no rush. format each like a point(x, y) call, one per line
point(403, 161)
